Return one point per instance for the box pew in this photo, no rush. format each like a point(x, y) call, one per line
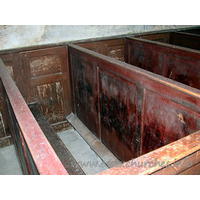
point(35, 153)
point(173, 62)
point(132, 111)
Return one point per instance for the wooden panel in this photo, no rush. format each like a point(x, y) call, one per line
point(119, 124)
point(182, 70)
point(50, 98)
point(159, 37)
point(178, 64)
point(188, 161)
point(11, 62)
point(26, 130)
point(193, 31)
point(165, 121)
point(195, 170)
point(4, 128)
point(44, 65)
point(185, 40)
point(85, 90)
point(7, 60)
point(19, 74)
point(113, 48)
point(116, 52)
point(93, 46)
point(121, 86)
point(146, 58)
point(46, 75)
point(2, 125)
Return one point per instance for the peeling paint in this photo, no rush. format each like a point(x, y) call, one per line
point(45, 65)
point(180, 118)
point(51, 101)
point(2, 126)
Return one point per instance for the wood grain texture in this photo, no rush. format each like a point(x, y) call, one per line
point(119, 130)
point(112, 48)
point(46, 73)
point(176, 63)
point(159, 37)
point(85, 91)
point(138, 93)
point(27, 131)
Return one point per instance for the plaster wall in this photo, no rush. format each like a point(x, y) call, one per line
point(13, 36)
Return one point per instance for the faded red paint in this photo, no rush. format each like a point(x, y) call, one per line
point(43, 155)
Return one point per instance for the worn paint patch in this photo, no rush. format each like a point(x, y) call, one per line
point(5, 141)
point(43, 65)
point(2, 126)
point(51, 101)
point(10, 70)
point(61, 126)
point(116, 52)
point(3, 122)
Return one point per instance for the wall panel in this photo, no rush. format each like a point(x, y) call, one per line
point(178, 63)
point(119, 124)
point(165, 121)
point(46, 75)
point(85, 92)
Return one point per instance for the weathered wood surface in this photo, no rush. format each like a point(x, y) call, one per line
point(172, 62)
point(12, 58)
point(111, 48)
point(180, 157)
point(184, 101)
point(34, 146)
point(185, 40)
point(46, 75)
point(159, 37)
point(182, 39)
point(59, 147)
point(137, 111)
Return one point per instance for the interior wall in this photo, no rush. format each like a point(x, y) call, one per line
point(13, 36)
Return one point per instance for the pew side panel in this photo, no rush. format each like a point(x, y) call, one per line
point(176, 63)
point(185, 40)
point(46, 75)
point(113, 48)
point(12, 63)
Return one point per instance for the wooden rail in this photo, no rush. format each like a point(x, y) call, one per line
point(178, 157)
point(35, 153)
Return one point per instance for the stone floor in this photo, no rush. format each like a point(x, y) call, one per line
point(88, 160)
point(9, 163)
point(92, 158)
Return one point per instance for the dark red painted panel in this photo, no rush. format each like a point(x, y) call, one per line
point(85, 89)
point(41, 151)
point(119, 126)
point(185, 40)
point(146, 58)
point(182, 70)
point(178, 63)
point(165, 121)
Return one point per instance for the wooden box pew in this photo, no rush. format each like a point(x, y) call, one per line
point(173, 62)
point(135, 113)
point(182, 39)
